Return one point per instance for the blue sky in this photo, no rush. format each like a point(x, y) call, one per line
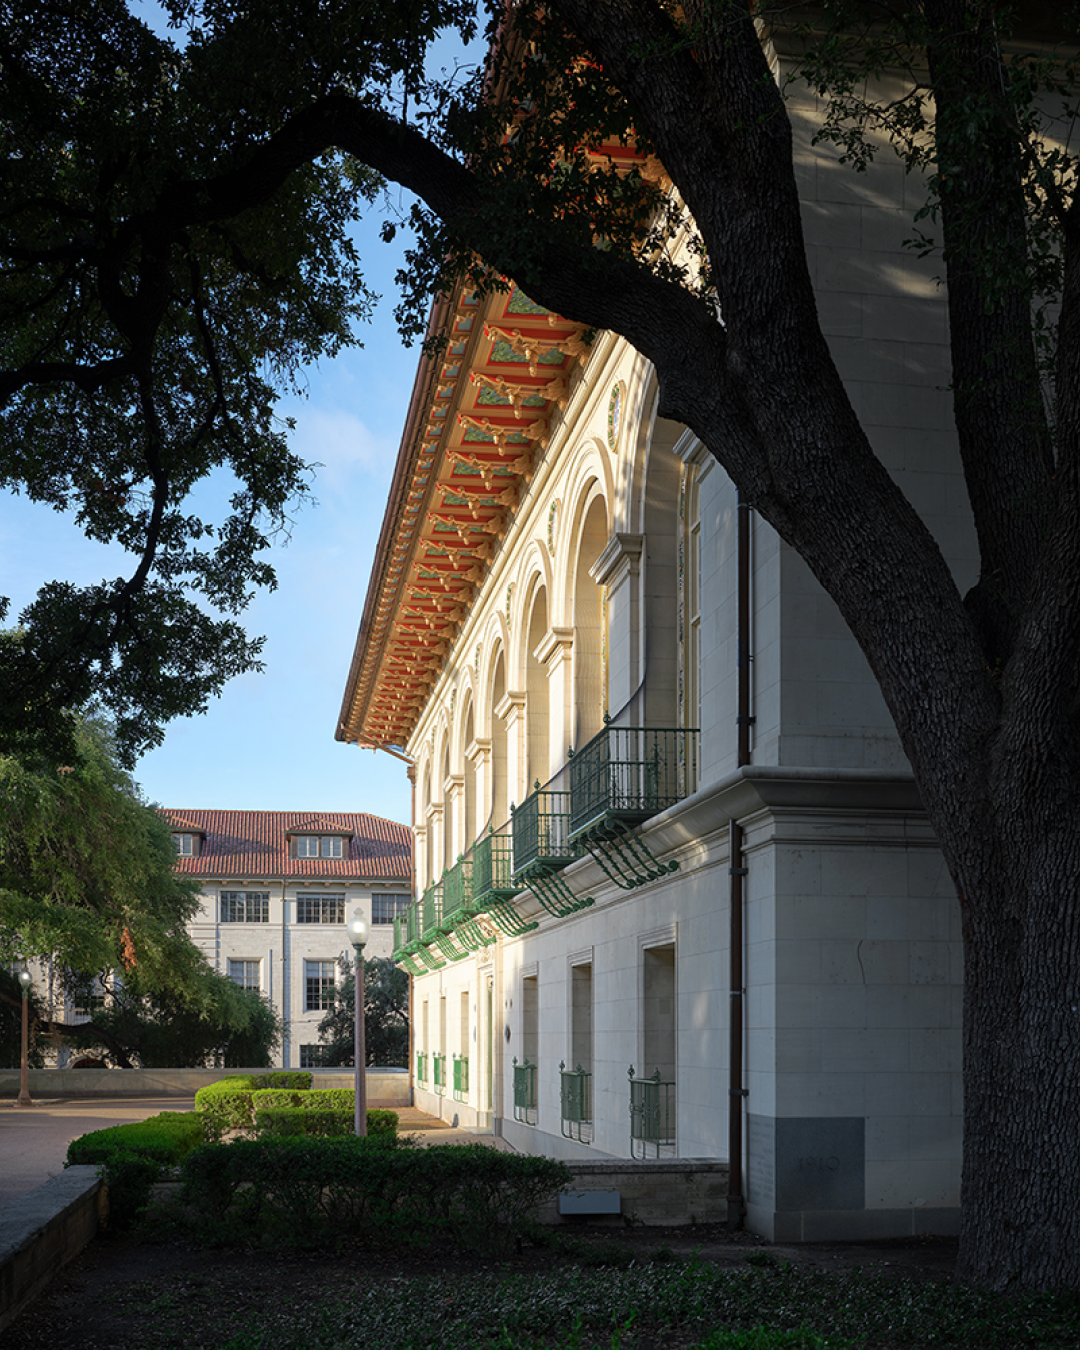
point(268, 742)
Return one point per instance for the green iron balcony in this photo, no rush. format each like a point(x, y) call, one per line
point(421, 1066)
point(457, 893)
point(431, 906)
point(438, 1064)
point(541, 829)
point(493, 869)
point(627, 774)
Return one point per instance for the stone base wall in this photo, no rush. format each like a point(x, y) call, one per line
point(669, 1192)
point(42, 1231)
point(385, 1087)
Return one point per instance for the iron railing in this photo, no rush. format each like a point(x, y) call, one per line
point(461, 1077)
point(575, 1095)
point(438, 1078)
point(652, 1115)
point(431, 911)
point(421, 1066)
point(631, 773)
point(541, 828)
point(525, 1092)
point(493, 868)
point(457, 893)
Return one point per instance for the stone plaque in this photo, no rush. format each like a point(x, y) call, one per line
point(820, 1162)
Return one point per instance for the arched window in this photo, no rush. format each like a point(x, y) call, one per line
point(500, 806)
point(590, 696)
point(538, 760)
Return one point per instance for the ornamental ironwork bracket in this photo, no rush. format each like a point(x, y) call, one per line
point(553, 893)
point(429, 958)
point(409, 965)
point(446, 945)
point(623, 855)
point(506, 918)
point(473, 935)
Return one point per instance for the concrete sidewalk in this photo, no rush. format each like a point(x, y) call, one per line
point(34, 1140)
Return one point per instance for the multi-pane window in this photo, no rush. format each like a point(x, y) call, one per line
point(386, 908)
point(245, 973)
point(313, 1056)
point(245, 906)
point(320, 909)
point(319, 846)
point(318, 985)
point(185, 845)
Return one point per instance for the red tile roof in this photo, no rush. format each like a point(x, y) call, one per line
point(250, 844)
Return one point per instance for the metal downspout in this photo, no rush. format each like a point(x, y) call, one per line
point(737, 869)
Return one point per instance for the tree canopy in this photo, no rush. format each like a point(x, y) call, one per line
point(133, 174)
point(88, 886)
point(386, 1015)
point(147, 329)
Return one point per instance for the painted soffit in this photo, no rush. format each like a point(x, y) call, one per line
point(480, 420)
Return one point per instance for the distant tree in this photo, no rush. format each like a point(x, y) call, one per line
point(217, 1025)
point(88, 884)
point(87, 872)
point(386, 1015)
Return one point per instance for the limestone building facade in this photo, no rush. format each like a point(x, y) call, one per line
point(277, 890)
point(662, 820)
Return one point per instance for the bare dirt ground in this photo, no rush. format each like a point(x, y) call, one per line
point(121, 1294)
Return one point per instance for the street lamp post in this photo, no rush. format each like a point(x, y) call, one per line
point(357, 929)
point(26, 980)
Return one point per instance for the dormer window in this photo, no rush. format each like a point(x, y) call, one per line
point(187, 845)
point(319, 846)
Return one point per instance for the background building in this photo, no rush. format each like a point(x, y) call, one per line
point(277, 890)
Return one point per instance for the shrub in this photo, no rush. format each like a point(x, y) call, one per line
point(229, 1100)
point(279, 1122)
point(166, 1139)
point(312, 1191)
point(287, 1080)
point(299, 1118)
point(131, 1158)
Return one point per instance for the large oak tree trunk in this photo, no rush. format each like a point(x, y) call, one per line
point(1021, 1170)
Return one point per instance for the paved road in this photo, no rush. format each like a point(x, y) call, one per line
point(34, 1140)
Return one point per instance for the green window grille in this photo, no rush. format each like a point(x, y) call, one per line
point(652, 1116)
point(461, 1077)
point(575, 1096)
point(438, 1066)
point(524, 1092)
point(541, 829)
point(421, 1066)
point(631, 773)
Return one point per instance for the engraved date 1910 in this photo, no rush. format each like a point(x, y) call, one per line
point(819, 1164)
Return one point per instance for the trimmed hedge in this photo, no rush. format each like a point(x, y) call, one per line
point(292, 1121)
point(166, 1138)
point(228, 1100)
point(132, 1157)
point(312, 1192)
